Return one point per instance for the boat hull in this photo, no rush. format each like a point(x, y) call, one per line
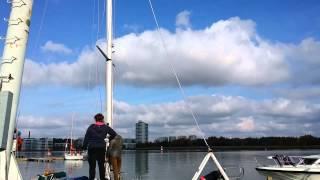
point(288, 173)
point(73, 157)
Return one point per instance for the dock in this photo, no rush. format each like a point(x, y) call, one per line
point(34, 159)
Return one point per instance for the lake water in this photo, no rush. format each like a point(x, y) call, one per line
point(171, 165)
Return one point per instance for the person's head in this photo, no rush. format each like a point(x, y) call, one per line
point(99, 117)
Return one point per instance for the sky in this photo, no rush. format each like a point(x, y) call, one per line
point(247, 68)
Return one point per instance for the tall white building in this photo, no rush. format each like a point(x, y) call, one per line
point(141, 132)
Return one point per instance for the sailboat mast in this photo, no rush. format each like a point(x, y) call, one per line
point(11, 70)
point(109, 70)
point(71, 144)
point(13, 60)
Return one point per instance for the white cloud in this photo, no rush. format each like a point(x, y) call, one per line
point(86, 71)
point(243, 118)
point(53, 47)
point(132, 27)
point(285, 107)
point(183, 19)
point(42, 126)
point(229, 52)
point(304, 62)
point(246, 124)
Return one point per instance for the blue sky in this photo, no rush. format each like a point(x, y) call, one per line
point(252, 64)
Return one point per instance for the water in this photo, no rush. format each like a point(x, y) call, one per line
point(154, 165)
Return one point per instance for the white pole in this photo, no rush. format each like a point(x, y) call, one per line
point(71, 143)
point(223, 173)
point(203, 164)
point(109, 73)
point(14, 49)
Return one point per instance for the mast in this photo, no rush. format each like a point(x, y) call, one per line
point(12, 63)
point(109, 70)
point(71, 143)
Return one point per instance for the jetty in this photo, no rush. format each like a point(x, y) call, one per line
point(41, 159)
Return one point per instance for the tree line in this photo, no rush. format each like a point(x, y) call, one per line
point(306, 141)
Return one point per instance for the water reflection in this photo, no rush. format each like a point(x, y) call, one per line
point(141, 163)
point(72, 166)
point(152, 165)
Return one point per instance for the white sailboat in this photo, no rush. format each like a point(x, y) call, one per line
point(70, 152)
point(73, 155)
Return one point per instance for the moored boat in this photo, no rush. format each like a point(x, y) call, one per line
point(73, 156)
point(292, 168)
point(72, 153)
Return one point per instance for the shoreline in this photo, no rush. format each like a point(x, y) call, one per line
point(231, 148)
point(214, 148)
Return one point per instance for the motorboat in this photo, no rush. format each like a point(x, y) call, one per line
point(292, 168)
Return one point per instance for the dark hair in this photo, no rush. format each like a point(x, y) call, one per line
point(99, 117)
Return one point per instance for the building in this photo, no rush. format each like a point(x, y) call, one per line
point(59, 146)
point(182, 137)
point(172, 138)
point(129, 143)
point(193, 137)
point(29, 144)
point(161, 139)
point(33, 144)
point(141, 132)
point(44, 144)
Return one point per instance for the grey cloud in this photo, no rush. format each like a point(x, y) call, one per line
point(217, 115)
point(304, 62)
point(309, 93)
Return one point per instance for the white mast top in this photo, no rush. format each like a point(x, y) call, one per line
point(109, 73)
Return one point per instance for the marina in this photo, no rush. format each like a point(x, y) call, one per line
point(221, 73)
point(154, 165)
point(39, 159)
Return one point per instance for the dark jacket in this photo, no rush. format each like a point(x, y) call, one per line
point(95, 136)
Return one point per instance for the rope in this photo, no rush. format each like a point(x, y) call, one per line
point(103, 20)
point(93, 41)
point(99, 101)
point(98, 21)
point(93, 26)
point(176, 76)
point(113, 92)
point(40, 27)
point(113, 66)
point(114, 20)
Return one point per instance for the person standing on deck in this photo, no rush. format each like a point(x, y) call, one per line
point(19, 141)
point(96, 145)
point(114, 153)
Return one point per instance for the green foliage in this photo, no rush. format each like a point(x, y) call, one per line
point(261, 142)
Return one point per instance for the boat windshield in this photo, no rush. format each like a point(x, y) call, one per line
point(308, 161)
point(284, 160)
